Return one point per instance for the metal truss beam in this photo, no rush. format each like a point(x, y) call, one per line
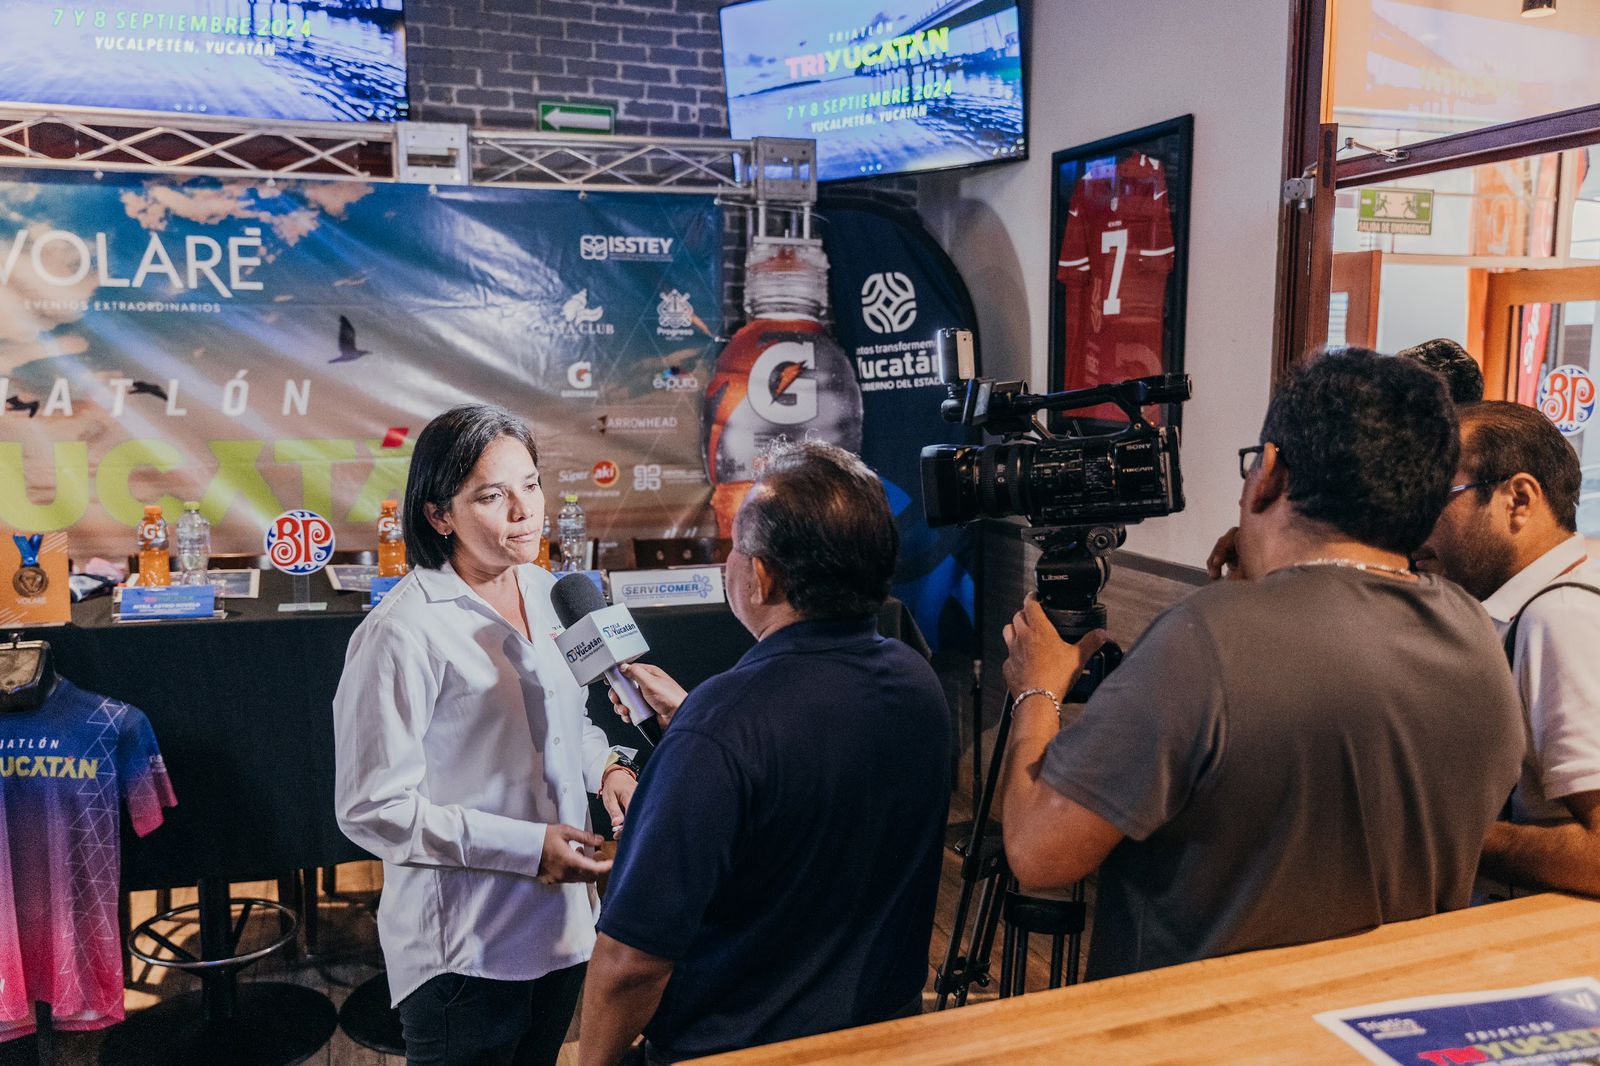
point(777, 173)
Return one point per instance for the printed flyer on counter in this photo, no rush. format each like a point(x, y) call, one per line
point(1558, 1022)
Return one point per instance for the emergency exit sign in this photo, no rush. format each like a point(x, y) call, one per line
point(577, 118)
point(1405, 211)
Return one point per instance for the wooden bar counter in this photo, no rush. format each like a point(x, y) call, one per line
point(1256, 1007)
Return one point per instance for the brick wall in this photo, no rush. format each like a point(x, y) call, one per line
point(490, 62)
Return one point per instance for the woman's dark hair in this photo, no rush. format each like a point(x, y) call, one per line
point(818, 517)
point(446, 451)
point(1501, 439)
point(1370, 444)
point(1462, 374)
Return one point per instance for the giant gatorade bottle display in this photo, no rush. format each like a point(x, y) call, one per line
point(781, 378)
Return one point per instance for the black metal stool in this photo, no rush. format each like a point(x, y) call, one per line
point(259, 1023)
point(367, 1018)
point(1062, 920)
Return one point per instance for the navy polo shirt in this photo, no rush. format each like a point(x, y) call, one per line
point(784, 845)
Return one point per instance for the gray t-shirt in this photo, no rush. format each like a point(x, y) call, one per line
point(1300, 757)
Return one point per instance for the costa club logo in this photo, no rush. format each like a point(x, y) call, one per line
point(604, 473)
point(580, 375)
point(299, 542)
point(1567, 398)
point(889, 302)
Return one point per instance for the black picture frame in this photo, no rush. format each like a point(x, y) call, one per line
point(1095, 180)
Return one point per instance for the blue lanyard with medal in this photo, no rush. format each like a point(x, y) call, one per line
point(30, 579)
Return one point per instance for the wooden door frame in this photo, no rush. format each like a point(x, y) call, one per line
point(1519, 288)
point(1361, 275)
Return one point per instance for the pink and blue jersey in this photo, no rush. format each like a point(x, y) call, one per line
point(64, 770)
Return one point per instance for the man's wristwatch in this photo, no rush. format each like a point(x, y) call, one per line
point(619, 761)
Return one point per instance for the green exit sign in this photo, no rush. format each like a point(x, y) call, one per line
point(577, 118)
point(1407, 211)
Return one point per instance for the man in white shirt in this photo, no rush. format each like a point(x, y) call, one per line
point(1509, 537)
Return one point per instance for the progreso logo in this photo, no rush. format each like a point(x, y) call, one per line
point(603, 246)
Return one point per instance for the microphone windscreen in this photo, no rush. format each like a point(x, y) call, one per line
point(573, 597)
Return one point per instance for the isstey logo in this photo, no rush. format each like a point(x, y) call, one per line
point(675, 315)
point(647, 477)
point(602, 246)
point(889, 302)
point(604, 473)
point(580, 375)
point(779, 389)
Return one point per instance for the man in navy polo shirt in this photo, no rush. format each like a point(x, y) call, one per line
point(778, 872)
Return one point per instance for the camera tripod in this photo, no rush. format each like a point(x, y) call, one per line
point(1069, 576)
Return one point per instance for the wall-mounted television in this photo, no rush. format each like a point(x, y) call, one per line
point(319, 60)
point(894, 88)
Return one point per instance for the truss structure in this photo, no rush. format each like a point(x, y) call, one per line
point(763, 172)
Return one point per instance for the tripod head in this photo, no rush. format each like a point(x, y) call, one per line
point(1072, 570)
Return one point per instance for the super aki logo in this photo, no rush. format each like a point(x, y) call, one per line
point(604, 473)
point(299, 542)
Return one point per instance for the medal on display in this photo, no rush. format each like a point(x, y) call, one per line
point(30, 580)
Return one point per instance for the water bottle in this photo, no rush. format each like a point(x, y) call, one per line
point(194, 545)
point(151, 537)
point(391, 541)
point(573, 529)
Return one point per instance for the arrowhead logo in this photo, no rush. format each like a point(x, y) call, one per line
point(889, 302)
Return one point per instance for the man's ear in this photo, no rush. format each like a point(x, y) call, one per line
point(766, 586)
point(1526, 498)
point(439, 520)
point(1269, 483)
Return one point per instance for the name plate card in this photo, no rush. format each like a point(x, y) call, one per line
point(668, 588)
point(141, 604)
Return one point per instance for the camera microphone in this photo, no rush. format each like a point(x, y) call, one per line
point(597, 640)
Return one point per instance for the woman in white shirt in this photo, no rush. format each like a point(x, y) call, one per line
point(464, 758)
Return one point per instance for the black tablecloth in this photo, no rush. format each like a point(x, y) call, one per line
point(242, 709)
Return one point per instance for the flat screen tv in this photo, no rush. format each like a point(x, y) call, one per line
point(322, 60)
point(899, 87)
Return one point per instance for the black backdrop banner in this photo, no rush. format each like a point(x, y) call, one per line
point(891, 289)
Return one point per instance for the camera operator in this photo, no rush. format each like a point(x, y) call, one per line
point(1303, 755)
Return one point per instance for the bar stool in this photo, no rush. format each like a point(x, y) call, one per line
point(367, 1018)
point(1062, 920)
point(258, 1023)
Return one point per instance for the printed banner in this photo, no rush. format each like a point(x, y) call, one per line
point(892, 289)
point(261, 347)
point(1558, 1022)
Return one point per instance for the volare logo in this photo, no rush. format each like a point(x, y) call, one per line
point(580, 375)
point(675, 315)
point(602, 246)
point(605, 473)
point(889, 302)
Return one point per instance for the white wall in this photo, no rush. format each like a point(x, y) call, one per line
point(1100, 69)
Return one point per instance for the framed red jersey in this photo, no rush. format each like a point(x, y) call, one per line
point(1119, 249)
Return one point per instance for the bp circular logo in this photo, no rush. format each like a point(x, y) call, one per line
point(299, 542)
point(1567, 398)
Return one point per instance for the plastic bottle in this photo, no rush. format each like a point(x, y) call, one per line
point(194, 545)
point(573, 529)
point(151, 535)
point(781, 378)
point(391, 541)
point(544, 545)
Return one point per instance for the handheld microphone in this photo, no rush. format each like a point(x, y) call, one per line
point(599, 639)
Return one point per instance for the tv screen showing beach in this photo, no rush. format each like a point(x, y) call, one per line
point(319, 60)
point(890, 89)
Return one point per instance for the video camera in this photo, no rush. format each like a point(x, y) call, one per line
point(1121, 476)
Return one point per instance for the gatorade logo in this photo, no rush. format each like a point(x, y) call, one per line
point(780, 388)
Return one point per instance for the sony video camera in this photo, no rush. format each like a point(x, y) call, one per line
point(1115, 478)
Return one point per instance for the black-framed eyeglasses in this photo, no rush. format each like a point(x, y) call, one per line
point(1245, 464)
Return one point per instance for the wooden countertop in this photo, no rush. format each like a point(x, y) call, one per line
point(1255, 1007)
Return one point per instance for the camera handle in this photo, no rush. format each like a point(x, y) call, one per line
point(1071, 572)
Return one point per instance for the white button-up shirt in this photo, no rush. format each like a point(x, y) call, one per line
point(1557, 668)
point(457, 742)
